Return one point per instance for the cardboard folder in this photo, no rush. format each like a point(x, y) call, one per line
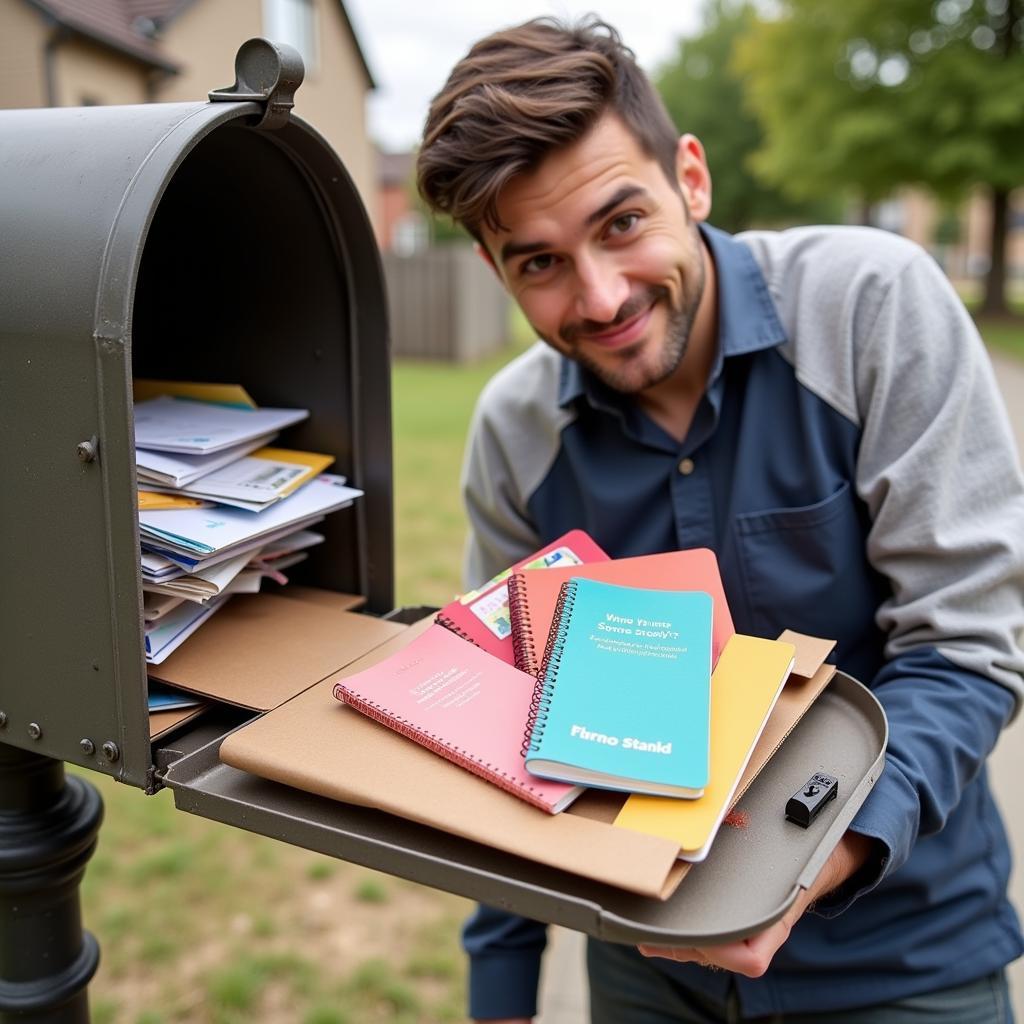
point(347, 757)
point(259, 650)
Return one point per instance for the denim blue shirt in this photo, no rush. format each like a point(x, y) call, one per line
point(819, 466)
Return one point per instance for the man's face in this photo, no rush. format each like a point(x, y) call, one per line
point(603, 257)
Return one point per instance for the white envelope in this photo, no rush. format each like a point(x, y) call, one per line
point(174, 471)
point(200, 532)
point(168, 424)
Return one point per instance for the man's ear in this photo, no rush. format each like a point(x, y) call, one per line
point(693, 176)
point(484, 254)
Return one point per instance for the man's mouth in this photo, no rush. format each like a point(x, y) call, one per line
point(627, 333)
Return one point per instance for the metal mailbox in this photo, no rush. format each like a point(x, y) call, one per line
point(218, 241)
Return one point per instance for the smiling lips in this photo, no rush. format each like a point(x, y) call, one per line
point(627, 333)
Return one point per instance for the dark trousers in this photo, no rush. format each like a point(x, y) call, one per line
point(625, 988)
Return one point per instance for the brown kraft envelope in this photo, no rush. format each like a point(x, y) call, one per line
point(259, 650)
point(346, 756)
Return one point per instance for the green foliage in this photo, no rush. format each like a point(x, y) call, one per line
point(703, 92)
point(871, 94)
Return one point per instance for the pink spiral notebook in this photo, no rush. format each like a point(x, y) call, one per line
point(462, 703)
point(482, 616)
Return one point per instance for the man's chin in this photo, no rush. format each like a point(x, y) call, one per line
point(627, 370)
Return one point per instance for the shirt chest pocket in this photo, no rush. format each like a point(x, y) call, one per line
point(805, 568)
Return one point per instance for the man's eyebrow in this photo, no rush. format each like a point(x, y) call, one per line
point(512, 249)
point(624, 193)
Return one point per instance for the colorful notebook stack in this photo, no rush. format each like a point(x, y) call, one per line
point(219, 510)
point(571, 669)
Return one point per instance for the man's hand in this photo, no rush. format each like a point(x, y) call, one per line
point(751, 957)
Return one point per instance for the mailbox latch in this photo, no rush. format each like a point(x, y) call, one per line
point(267, 73)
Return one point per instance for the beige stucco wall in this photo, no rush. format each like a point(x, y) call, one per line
point(85, 71)
point(333, 99)
point(203, 39)
point(23, 37)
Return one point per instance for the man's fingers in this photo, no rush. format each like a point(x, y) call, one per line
point(750, 958)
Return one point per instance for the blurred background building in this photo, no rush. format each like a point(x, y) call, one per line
point(59, 53)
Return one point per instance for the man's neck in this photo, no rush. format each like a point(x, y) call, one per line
point(673, 402)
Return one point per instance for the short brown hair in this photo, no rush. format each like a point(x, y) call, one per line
point(518, 95)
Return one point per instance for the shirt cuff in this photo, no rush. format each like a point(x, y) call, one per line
point(889, 816)
point(503, 985)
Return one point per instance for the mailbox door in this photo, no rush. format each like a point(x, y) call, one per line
point(182, 242)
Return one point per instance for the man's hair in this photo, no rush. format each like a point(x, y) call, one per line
point(522, 93)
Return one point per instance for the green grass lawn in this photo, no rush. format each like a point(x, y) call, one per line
point(1005, 335)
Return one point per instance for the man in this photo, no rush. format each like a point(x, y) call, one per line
point(816, 406)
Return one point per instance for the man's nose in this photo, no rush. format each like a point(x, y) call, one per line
point(601, 290)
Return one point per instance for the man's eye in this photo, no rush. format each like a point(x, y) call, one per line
point(624, 224)
point(537, 264)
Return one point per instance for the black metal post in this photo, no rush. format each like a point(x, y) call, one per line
point(48, 828)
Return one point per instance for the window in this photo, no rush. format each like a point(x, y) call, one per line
point(293, 22)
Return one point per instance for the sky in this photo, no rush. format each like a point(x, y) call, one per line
point(412, 46)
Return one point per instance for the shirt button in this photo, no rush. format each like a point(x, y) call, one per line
point(686, 467)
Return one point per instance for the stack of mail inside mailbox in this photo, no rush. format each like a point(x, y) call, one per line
point(219, 510)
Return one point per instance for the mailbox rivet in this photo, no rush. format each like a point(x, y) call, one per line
point(110, 751)
point(35, 732)
point(3, 719)
point(87, 746)
point(88, 450)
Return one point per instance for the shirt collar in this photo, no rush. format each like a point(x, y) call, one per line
point(747, 318)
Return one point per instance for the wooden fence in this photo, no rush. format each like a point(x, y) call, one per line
point(444, 303)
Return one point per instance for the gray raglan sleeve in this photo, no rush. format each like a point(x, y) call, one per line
point(940, 474)
point(500, 531)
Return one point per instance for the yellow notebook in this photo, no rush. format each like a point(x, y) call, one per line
point(745, 685)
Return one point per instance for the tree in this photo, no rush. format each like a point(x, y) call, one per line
point(704, 95)
point(872, 94)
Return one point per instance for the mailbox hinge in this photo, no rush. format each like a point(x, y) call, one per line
point(266, 73)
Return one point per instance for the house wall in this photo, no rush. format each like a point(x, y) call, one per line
point(85, 72)
point(333, 100)
point(23, 35)
point(392, 205)
point(204, 38)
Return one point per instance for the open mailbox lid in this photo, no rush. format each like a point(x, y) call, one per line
point(750, 878)
point(182, 242)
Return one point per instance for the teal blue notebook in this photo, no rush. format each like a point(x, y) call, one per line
point(623, 700)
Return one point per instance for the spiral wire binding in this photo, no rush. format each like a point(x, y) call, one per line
point(438, 745)
point(546, 679)
point(453, 626)
point(524, 647)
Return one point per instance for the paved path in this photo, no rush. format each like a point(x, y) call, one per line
point(563, 989)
